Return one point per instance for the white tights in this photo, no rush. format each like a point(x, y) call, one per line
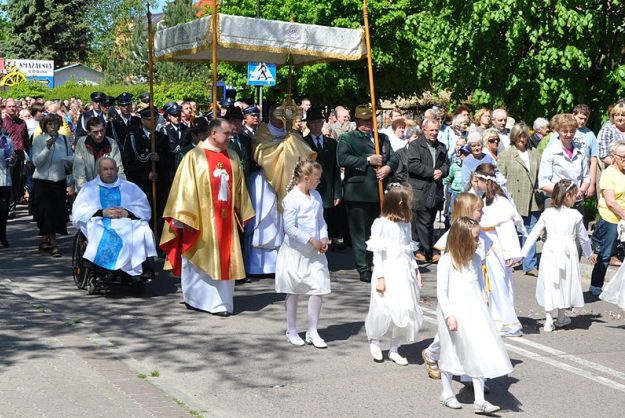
point(314, 309)
point(478, 387)
point(394, 342)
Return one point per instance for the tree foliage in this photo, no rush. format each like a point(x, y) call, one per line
point(43, 29)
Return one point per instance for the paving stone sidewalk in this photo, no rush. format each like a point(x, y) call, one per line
point(51, 368)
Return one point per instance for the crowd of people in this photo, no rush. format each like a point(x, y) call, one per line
point(235, 196)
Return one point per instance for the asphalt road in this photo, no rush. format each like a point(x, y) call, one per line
point(243, 366)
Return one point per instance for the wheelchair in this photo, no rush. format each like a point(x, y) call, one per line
point(94, 278)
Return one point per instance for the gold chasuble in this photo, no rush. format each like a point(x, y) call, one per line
point(277, 157)
point(210, 198)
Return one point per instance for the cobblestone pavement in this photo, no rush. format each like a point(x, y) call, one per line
point(50, 368)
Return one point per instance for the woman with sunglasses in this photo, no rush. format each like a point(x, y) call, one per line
point(475, 158)
point(491, 142)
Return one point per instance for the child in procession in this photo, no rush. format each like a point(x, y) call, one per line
point(301, 265)
point(394, 303)
point(470, 344)
point(559, 280)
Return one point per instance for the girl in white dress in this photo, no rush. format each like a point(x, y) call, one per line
point(395, 280)
point(498, 224)
point(466, 205)
point(559, 280)
point(469, 341)
point(301, 264)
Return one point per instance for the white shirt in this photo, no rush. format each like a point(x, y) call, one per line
point(525, 157)
point(303, 217)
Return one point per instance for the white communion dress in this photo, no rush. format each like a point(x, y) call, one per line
point(396, 310)
point(474, 349)
point(300, 268)
point(614, 291)
point(559, 283)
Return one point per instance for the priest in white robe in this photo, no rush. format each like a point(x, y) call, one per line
point(114, 214)
point(276, 149)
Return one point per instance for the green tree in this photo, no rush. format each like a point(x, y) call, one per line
point(46, 29)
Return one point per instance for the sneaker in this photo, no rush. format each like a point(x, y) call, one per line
point(376, 353)
point(397, 359)
point(595, 290)
point(451, 402)
point(485, 408)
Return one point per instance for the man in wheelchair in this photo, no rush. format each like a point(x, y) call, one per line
point(114, 214)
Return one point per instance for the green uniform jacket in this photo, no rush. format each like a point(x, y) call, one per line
point(360, 182)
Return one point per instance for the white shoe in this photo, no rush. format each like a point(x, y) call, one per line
point(376, 353)
point(485, 408)
point(451, 402)
point(397, 359)
point(315, 340)
point(294, 338)
point(549, 327)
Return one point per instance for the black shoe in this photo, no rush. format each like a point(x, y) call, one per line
point(223, 314)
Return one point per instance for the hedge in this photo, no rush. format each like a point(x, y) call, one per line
point(163, 93)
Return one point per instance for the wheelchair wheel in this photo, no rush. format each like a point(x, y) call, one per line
point(80, 270)
point(91, 282)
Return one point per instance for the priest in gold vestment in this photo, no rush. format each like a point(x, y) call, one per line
point(276, 149)
point(207, 204)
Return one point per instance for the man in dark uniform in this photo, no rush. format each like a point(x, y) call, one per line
point(145, 101)
point(174, 129)
point(363, 167)
point(239, 143)
point(137, 159)
point(119, 126)
point(330, 187)
point(251, 121)
point(96, 112)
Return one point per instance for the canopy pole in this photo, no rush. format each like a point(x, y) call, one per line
point(376, 138)
point(215, 20)
point(152, 119)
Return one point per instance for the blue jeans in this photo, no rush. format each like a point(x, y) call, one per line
point(530, 262)
point(604, 238)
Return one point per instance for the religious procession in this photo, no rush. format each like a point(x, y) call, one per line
point(219, 198)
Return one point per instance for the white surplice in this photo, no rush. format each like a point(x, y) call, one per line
point(115, 244)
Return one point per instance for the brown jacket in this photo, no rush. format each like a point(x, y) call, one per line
point(521, 183)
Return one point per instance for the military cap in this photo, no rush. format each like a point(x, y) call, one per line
point(199, 124)
point(251, 110)
point(124, 99)
point(98, 97)
point(228, 102)
point(172, 108)
point(145, 98)
point(314, 114)
point(234, 112)
point(147, 113)
point(363, 112)
point(108, 101)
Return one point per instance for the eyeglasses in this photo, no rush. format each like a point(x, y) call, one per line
point(621, 157)
point(492, 141)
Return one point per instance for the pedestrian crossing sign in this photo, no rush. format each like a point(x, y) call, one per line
point(261, 74)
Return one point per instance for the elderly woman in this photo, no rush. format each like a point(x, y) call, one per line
point(482, 119)
point(611, 131)
point(396, 134)
point(612, 210)
point(519, 165)
point(52, 157)
point(491, 142)
point(562, 160)
point(459, 130)
point(477, 157)
point(541, 128)
point(7, 160)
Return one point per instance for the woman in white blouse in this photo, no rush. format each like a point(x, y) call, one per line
point(52, 156)
point(519, 165)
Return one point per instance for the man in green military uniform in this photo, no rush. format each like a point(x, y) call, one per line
point(363, 168)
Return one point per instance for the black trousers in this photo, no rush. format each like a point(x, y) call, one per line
point(360, 217)
point(5, 198)
point(18, 179)
point(423, 230)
